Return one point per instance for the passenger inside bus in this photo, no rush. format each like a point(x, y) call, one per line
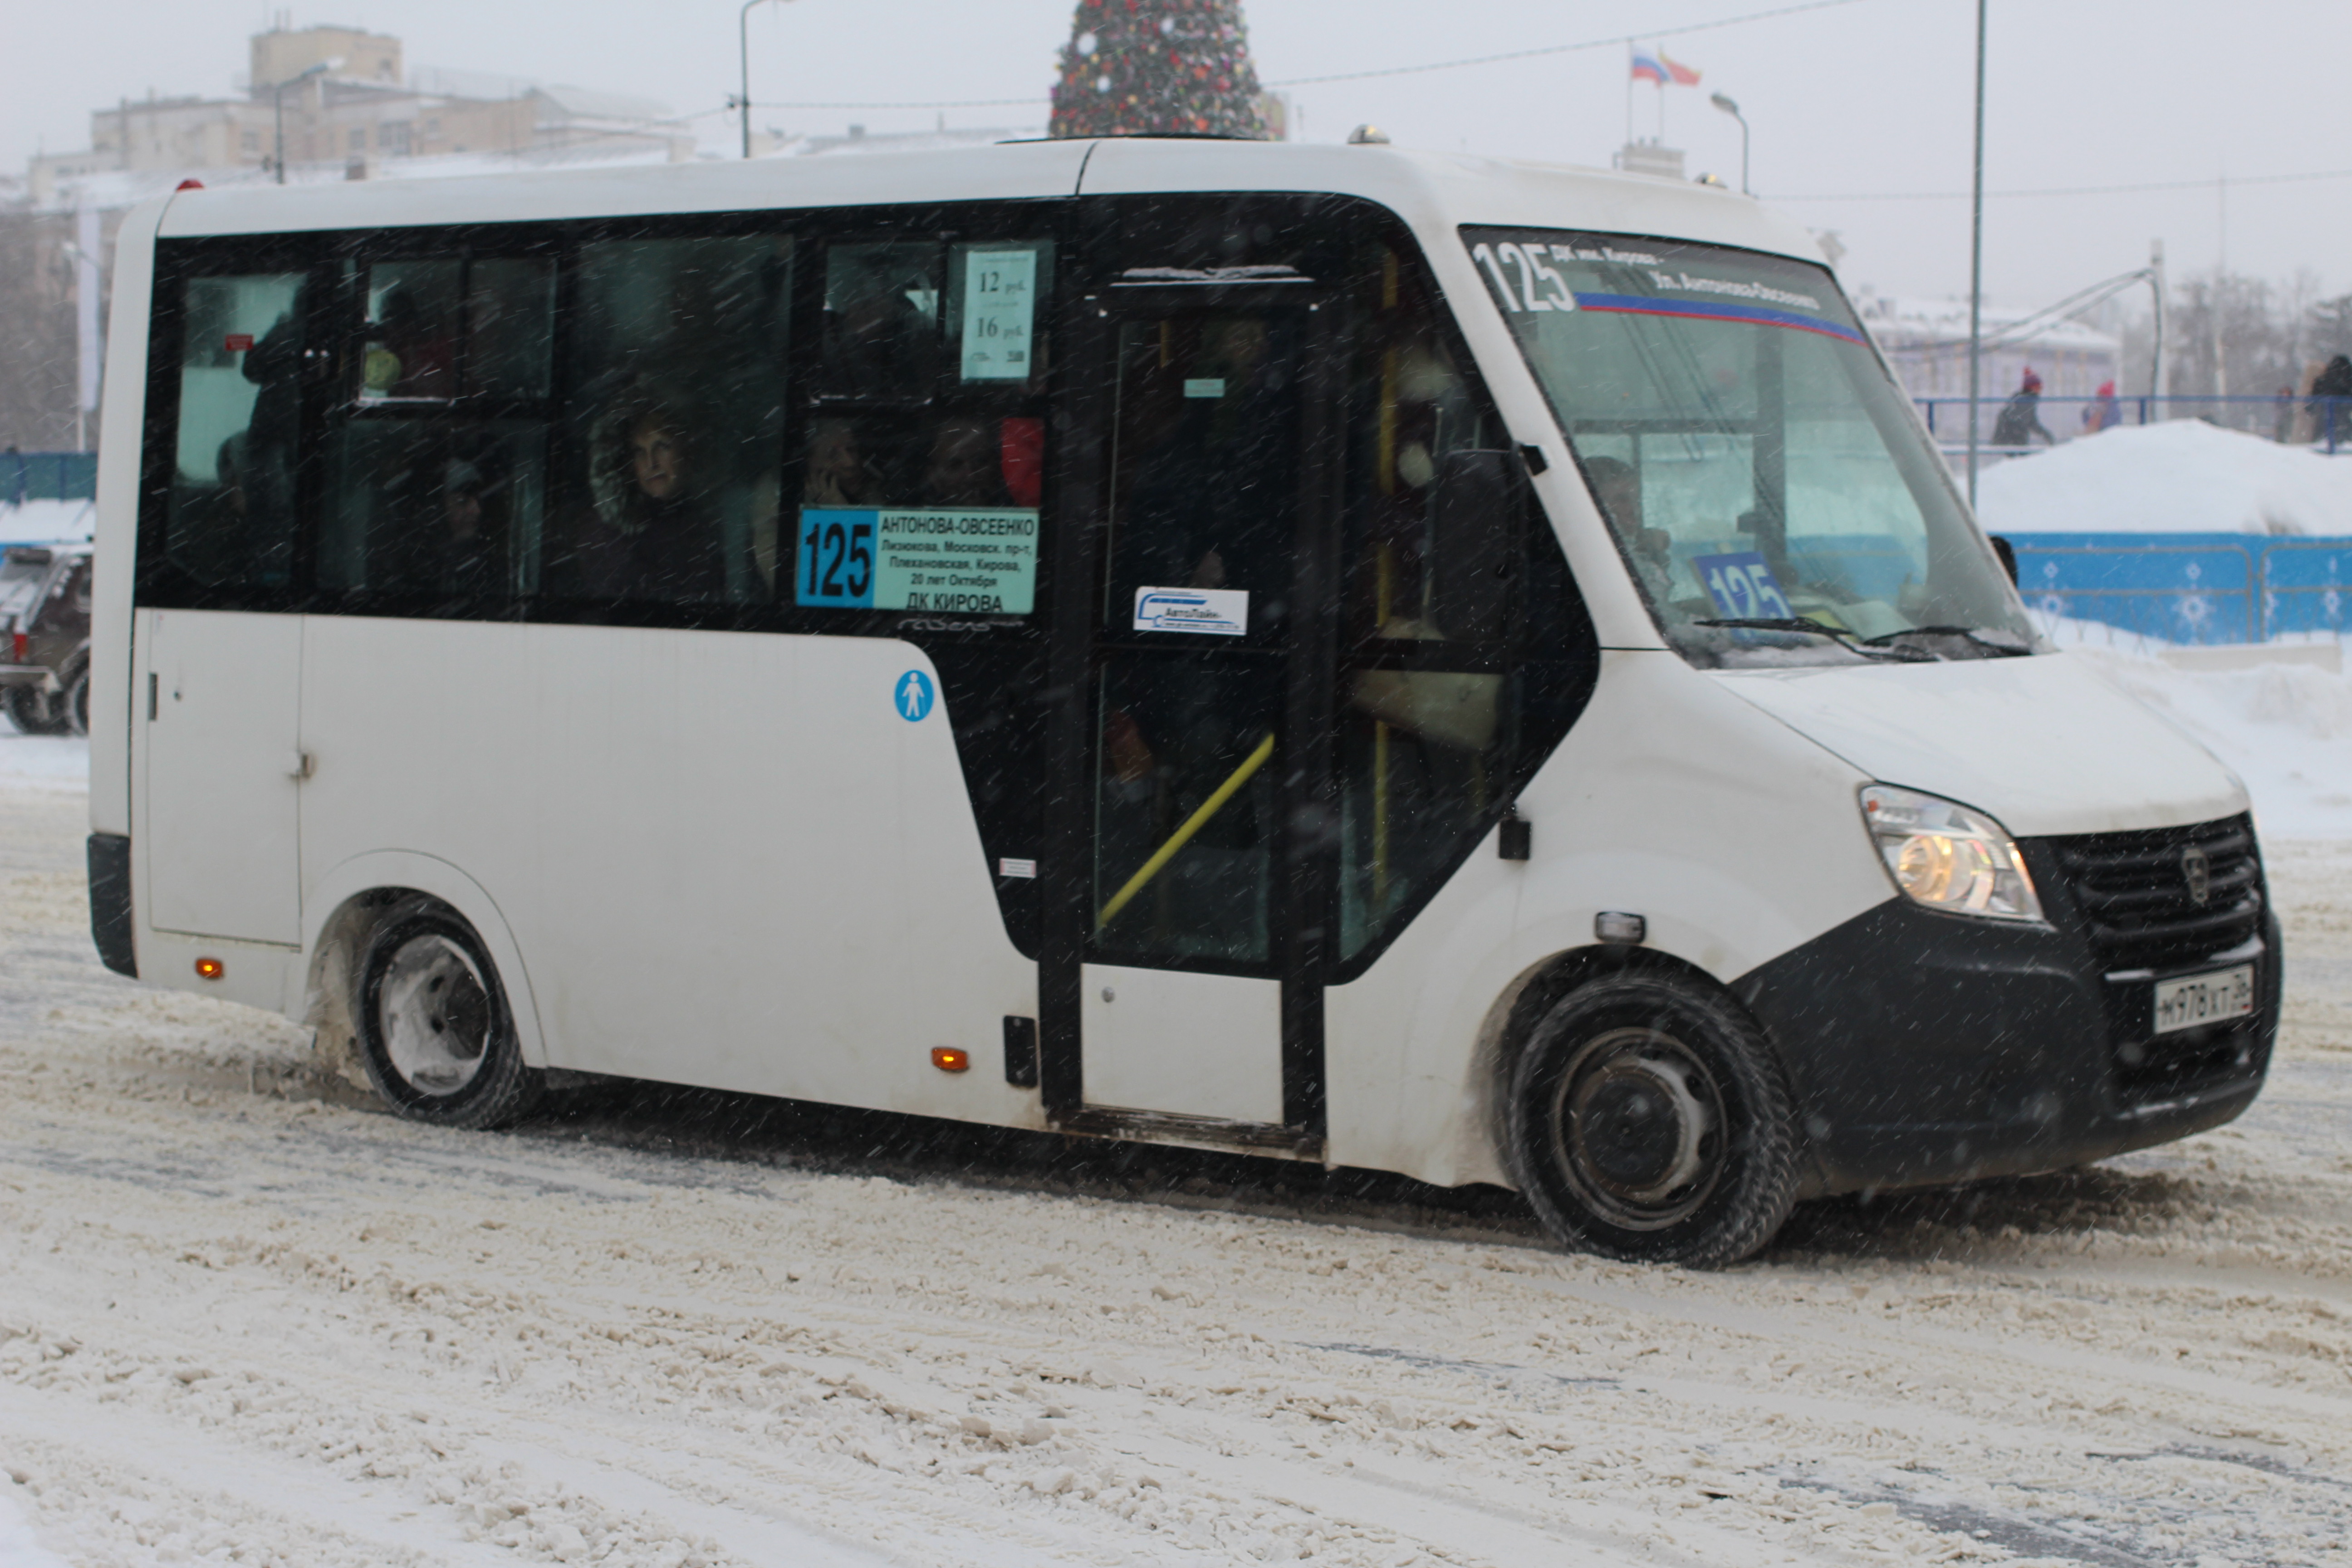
point(1617, 485)
point(966, 466)
point(470, 551)
point(656, 534)
point(837, 474)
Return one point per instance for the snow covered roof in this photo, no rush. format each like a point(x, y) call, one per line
point(1940, 323)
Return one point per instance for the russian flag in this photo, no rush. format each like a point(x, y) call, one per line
point(1648, 68)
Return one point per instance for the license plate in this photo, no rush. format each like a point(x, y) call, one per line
point(2195, 999)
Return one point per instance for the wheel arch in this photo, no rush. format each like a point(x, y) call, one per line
point(1511, 1022)
point(349, 900)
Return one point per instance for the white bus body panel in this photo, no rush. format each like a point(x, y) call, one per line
point(222, 758)
point(1004, 172)
point(725, 858)
point(1735, 838)
point(120, 453)
point(2048, 745)
point(1193, 1045)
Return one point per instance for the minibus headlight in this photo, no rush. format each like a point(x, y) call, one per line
point(1948, 857)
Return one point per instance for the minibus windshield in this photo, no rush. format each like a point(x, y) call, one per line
point(1771, 494)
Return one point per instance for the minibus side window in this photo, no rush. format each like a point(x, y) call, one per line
point(673, 422)
point(922, 442)
point(1464, 652)
point(230, 513)
point(438, 458)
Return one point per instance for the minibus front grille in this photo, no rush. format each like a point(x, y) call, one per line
point(2136, 895)
point(2139, 893)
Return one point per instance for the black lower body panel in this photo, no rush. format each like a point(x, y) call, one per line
point(1928, 1048)
point(110, 902)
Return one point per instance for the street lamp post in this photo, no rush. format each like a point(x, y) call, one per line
point(1976, 263)
point(1723, 101)
point(321, 68)
point(743, 37)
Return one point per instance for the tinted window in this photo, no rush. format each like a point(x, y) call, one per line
point(230, 512)
point(922, 445)
point(674, 422)
point(437, 455)
point(1460, 630)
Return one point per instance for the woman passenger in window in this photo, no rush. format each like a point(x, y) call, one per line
point(657, 533)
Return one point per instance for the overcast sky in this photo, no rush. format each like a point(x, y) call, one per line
point(1865, 98)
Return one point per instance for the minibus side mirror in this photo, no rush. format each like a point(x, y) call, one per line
point(1475, 504)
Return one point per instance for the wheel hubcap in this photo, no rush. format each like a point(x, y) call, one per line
point(1638, 1129)
point(434, 1013)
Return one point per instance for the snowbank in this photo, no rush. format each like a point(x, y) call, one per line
point(2285, 727)
point(2181, 477)
point(46, 521)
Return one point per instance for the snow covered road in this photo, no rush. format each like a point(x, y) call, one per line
point(245, 1319)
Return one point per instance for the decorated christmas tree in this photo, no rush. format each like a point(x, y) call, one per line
point(1147, 66)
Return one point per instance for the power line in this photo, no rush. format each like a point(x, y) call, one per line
point(1587, 44)
point(2204, 184)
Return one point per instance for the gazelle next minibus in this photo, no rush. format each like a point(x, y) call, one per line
point(1411, 662)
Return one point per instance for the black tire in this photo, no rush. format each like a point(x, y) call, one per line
point(33, 711)
point(435, 1029)
point(73, 706)
point(1650, 1121)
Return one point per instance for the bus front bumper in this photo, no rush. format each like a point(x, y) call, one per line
point(1928, 1048)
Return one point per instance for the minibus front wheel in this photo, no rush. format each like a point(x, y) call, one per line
point(435, 1029)
point(1649, 1121)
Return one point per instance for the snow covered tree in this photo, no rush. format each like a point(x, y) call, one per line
point(1157, 66)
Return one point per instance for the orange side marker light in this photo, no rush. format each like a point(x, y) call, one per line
point(210, 969)
point(947, 1059)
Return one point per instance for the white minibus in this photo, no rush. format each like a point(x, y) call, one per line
point(1411, 662)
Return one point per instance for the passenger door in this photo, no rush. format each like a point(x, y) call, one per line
point(1184, 945)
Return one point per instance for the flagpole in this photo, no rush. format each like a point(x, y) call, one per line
point(1976, 262)
point(1629, 95)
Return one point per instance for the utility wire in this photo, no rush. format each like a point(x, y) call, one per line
point(1538, 52)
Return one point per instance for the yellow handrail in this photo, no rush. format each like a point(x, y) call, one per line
point(1183, 834)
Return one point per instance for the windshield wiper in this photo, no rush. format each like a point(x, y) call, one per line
point(1969, 634)
point(1872, 648)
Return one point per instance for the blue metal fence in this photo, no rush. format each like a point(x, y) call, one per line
point(2290, 418)
point(47, 476)
point(2190, 587)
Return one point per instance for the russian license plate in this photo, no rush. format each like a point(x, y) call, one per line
point(2195, 999)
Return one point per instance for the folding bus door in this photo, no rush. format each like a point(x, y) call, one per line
point(1184, 945)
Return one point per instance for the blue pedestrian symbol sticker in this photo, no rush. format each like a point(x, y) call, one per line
point(914, 695)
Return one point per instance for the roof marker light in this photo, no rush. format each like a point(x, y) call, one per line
point(947, 1059)
point(210, 969)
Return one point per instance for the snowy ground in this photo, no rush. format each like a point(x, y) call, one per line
point(245, 1317)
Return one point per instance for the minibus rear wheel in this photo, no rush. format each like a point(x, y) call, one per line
point(435, 1032)
point(1648, 1121)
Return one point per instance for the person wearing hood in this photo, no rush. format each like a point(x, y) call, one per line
point(2021, 416)
point(2101, 413)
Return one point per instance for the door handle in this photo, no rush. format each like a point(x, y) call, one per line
point(301, 765)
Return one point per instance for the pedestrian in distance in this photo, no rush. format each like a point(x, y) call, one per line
point(2021, 416)
point(2331, 401)
point(2101, 413)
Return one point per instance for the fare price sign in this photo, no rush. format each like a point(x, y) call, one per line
point(999, 314)
point(974, 561)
